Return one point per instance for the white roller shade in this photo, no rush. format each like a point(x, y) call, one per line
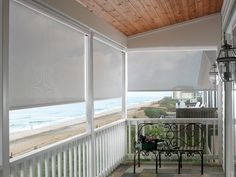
point(205, 67)
point(107, 71)
point(165, 71)
point(46, 60)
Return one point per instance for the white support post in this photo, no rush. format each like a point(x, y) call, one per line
point(4, 116)
point(124, 95)
point(229, 130)
point(220, 121)
point(90, 99)
point(124, 85)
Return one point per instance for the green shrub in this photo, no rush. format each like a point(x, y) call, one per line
point(157, 131)
point(154, 112)
point(168, 103)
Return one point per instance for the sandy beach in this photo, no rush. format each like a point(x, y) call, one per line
point(26, 141)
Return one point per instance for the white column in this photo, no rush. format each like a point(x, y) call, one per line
point(220, 121)
point(124, 85)
point(89, 95)
point(229, 130)
point(4, 115)
point(124, 95)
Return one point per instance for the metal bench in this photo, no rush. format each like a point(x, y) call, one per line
point(176, 139)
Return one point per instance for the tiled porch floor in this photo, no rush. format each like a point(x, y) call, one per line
point(168, 171)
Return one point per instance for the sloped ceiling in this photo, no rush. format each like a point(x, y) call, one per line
point(136, 16)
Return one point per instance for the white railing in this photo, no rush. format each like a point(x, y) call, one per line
point(71, 157)
point(211, 138)
point(113, 142)
point(110, 147)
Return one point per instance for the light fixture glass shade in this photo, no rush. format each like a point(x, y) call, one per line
point(226, 61)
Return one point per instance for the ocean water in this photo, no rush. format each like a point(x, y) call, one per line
point(33, 118)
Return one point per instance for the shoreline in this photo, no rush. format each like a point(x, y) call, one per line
point(29, 140)
point(27, 133)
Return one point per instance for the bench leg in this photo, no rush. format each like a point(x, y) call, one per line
point(159, 156)
point(179, 165)
point(134, 162)
point(202, 163)
point(138, 158)
point(181, 162)
point(156, 164)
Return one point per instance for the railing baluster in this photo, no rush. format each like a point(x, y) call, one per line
point(32, 168)
point(87, 158)
point(143, 131)
point(75, 160)
point(103, 151)
point(53, 166)
point(13, 172)
point(200, 136)
point(22, 170)
point(112, 149)
point(207, 146)
point(178, 127)
point(129, 138)
point(136, 132)
point(46, 165)
point(39, 167)
point(96, 153)
point(59, 164)
point(214, 135)
point(193, 129)
point(70, 162)
point(106, 146)
point(84, 161)
point(185, 134)
point(65, 162)
point(119, 149)
point(100, 154)
point(79, 159)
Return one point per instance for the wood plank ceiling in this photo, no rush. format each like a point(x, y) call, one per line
point(136, 16)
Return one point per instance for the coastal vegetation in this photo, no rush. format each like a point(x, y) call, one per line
point(167, 105)
point(154, 112)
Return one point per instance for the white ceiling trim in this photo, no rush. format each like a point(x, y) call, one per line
point(172, 49)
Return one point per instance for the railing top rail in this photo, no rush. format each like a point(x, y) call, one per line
point(187, 120)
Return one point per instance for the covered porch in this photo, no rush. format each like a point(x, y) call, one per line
point(60, 53)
